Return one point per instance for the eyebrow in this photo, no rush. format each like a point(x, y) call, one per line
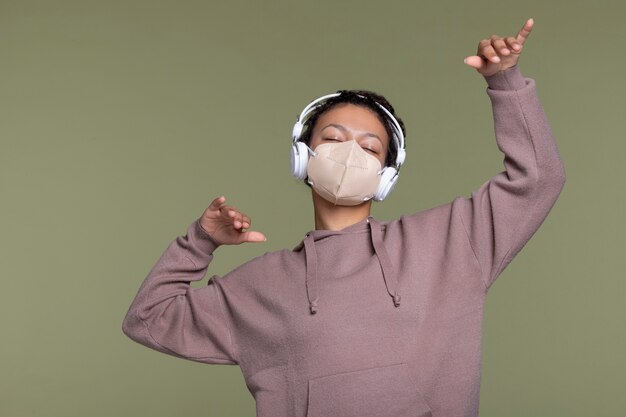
point(342, 128)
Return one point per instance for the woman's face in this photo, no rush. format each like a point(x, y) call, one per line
point(346, 121)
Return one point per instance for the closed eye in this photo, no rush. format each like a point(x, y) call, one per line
point(375, 152)
point(364, 147)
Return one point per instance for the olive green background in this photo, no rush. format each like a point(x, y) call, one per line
point(122, 120)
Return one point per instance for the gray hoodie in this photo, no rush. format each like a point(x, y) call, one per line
point(381, 318)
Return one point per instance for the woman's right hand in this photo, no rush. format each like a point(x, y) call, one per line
point(226, 224)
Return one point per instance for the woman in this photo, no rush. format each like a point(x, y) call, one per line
point(362, 318)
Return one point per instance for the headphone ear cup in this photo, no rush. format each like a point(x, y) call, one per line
point(299, 160)
point(401, 156)
point(388, 180)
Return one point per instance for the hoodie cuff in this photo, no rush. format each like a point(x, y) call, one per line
point(202, 239)
point(508, 79)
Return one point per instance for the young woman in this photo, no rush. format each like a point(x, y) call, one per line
point(363, 317)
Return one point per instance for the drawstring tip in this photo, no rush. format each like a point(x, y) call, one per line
point(313, 307)
point(396, 299)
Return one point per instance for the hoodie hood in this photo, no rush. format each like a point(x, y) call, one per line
point(375, 232)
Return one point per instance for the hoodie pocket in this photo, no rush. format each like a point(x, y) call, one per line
point(384, 391)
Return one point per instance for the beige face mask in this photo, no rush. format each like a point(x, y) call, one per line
point(343, 173)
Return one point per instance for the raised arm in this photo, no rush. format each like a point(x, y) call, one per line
point(172, 317)
point(505, 211)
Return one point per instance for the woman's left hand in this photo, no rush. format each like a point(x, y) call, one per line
point(498, 53)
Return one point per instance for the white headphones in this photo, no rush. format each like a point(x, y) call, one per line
point(300, 151)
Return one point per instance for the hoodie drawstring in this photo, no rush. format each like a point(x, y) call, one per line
point(311, 272)
point(389, 273)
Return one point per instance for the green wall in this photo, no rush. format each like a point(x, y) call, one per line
point(121, 120)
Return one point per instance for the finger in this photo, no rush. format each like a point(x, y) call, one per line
point(489, 53)
point(241, 221)
point(524, 32)
point(217, 202)
point(246, 221)
point(229, 212)
point(513, 44)
point(226, 210)
point(499, 45)
point(238, 220)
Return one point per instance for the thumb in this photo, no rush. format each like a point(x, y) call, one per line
point(252, 236)
point(475, 61)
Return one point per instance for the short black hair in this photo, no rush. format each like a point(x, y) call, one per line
point(364, 98)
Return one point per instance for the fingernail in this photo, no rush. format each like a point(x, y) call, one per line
point(465, 60)
point(264, 240)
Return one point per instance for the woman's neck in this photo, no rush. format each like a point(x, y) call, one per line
point(336, 217)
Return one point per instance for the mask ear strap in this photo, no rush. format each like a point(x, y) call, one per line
point(311, 151)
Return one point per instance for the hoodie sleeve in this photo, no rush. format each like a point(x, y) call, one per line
point(170, 316)
point(504, 212)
